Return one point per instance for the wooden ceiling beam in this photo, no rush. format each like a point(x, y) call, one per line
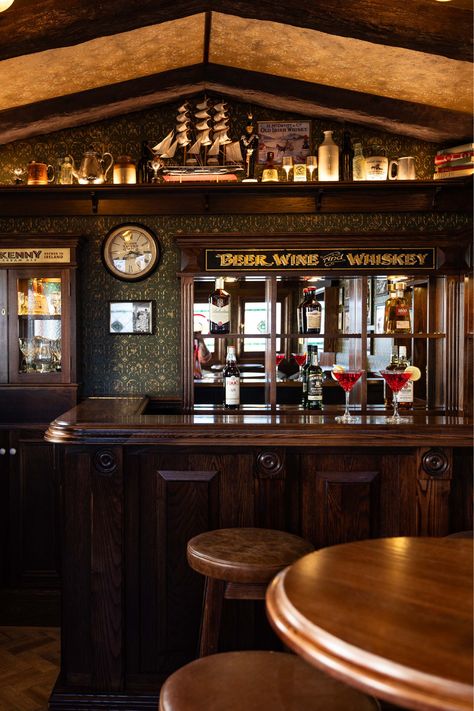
point(426, 123)
point(423, 25)
point(313, 100)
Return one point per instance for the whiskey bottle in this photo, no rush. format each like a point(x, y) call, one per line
point(309, 312)
point(270, 172)
point(405, 395)
point(397, 310)
point(346, 158)
point(231, 377)
point(358, 163)
point(219, 309)
point(315, 383)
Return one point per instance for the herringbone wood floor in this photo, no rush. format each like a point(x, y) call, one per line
point(29, 666)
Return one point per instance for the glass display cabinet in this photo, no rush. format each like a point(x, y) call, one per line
point(37, 285)
point(357, 326)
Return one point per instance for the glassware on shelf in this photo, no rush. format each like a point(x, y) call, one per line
point(396, 379)
point(55, 345)
point(43, 355)
point(28, 350)
point(311, 165)
point(287, 165)
point(346, 379)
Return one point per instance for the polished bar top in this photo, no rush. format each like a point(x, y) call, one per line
point(124, 420)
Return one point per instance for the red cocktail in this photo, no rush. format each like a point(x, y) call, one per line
point(346, 379)
point(395, 380)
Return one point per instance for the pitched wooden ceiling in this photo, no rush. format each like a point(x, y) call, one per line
point(403, 67)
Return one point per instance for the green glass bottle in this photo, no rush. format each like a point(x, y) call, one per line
point(315, 382)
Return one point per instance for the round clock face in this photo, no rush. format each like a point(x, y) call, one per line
point(131, 251)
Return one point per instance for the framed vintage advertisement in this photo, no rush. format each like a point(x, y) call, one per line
point(288, 138)
point(131, 317)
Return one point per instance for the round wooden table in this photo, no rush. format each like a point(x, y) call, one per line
point(390, 616)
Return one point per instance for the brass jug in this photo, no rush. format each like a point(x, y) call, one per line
point(91, 171)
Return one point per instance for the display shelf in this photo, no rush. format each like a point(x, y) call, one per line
point(256, 198)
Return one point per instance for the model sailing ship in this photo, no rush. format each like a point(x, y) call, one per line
point(202, 137)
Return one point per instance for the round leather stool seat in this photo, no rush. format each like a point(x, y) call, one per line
point(245, 555)
point(258, 681)
point(461, 534)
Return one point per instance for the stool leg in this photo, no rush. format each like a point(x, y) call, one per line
point(211, 616)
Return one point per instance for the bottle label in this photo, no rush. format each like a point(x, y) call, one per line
point(232, 390)
point(315, 388)
point(220, 313)
point(270, 174)
point(313, 319)
point(406, 393)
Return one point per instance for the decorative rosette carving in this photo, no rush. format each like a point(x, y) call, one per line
point(105, 462)
point(435, 462)
point(269, 464)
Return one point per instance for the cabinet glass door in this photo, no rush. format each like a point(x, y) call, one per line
point(36, 333)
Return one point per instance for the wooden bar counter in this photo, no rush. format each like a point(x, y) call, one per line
point(137, 486)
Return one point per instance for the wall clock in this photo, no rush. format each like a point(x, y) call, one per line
point(131, 251)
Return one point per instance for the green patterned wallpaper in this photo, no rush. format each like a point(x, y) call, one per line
point(132, 364)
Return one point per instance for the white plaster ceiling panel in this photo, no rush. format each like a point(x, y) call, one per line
point(343, 62)
point(99, 62)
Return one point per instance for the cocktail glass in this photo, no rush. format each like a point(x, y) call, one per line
point(346, 379)
point(395, 380)
point(301, 360)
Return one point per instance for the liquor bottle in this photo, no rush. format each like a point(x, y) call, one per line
point(393, 365)
point(304, 376)
point(347, 156)
point(270, 173)
point(315, 383)
point(358, 163)
point(144, 172)
point(231, 377)
point(219, 309)
point(309, 312)
point(328, 158)
point(397, 310)
point(405, 395)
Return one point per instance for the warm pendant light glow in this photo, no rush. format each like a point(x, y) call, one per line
point(5, 4)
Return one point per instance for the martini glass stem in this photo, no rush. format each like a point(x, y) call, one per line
point(395, 415)
point(346, 411)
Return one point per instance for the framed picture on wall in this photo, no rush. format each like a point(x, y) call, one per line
point(131, 317)
point(288, 138)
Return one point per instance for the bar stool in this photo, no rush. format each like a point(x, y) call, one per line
point(461, 534)
point(238, 564)
point(258, 681)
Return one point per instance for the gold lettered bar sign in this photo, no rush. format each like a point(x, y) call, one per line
point(23, 255)
point(281, 259)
